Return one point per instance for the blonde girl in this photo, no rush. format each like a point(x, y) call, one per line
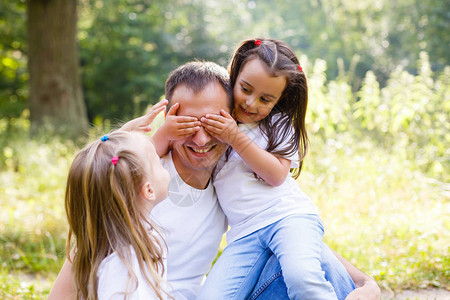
point(113, 184)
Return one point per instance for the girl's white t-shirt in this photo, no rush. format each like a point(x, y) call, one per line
point(192, 224)
point(113, 278)
point(251, 204)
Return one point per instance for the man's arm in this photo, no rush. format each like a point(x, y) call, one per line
point(366, 287)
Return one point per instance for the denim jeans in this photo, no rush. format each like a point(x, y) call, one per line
point(271, 284)
point(295, 240)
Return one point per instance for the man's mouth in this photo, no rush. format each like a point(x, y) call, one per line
point(201, 150)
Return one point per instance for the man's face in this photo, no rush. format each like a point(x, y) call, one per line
point(200, 151)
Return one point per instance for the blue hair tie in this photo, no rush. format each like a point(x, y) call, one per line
point(104, 138)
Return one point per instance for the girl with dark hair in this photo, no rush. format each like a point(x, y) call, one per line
point(266, 210)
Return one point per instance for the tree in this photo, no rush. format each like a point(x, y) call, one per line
point(56, 97)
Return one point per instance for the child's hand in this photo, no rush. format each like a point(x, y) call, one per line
point(223, 127)
point(143, 123)
point(177, 127)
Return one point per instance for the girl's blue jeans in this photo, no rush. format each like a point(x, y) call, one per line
point(297, 244)
point(270, 284)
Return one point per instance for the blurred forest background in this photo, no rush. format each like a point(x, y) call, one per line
point(378, 117)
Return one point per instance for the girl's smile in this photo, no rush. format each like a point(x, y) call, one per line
point(244, 111)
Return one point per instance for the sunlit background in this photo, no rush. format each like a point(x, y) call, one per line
point(378, 120)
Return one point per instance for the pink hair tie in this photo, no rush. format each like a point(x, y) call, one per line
point(257, 42)
point(114, 160)
point(299, 68)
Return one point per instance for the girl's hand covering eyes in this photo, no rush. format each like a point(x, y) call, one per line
point(177, 127)
point(223, 127)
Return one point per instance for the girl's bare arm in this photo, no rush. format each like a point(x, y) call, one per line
point(272, 169)
point(62, 288)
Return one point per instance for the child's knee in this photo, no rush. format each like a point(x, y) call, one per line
point(303, 273)
point(308, 281)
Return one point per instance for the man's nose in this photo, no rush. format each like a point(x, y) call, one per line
point(201, 137)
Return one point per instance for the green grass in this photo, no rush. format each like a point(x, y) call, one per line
point(33, 226)
point(21, 286)
point(388, 219)
point(380, 211)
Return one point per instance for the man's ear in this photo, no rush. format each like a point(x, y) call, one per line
point(148, 192)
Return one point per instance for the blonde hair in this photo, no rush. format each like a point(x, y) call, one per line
point(104, 215)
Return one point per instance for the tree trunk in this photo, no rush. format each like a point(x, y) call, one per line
point(56, 98)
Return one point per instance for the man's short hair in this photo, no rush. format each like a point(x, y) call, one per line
point(196, 76)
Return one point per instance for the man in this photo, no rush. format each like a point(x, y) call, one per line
point(191, 218)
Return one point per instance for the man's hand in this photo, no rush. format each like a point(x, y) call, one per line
point(177, 127)
point(223, 127)
point(143, 123)
point(368, 291)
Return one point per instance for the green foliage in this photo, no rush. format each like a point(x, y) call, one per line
point(14, 288)
point(375, 35)
point(389, 146)
point(409, 116)
point(422, 26)
point(13, 73)
point(379, 212)
point(32, 180)
point(413, 111)
point(129, 48)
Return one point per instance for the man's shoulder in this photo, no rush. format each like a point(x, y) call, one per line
point(167, 163)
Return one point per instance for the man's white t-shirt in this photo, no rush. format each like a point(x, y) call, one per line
point(113, 278)
point(192, 224)
point(251, 204)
